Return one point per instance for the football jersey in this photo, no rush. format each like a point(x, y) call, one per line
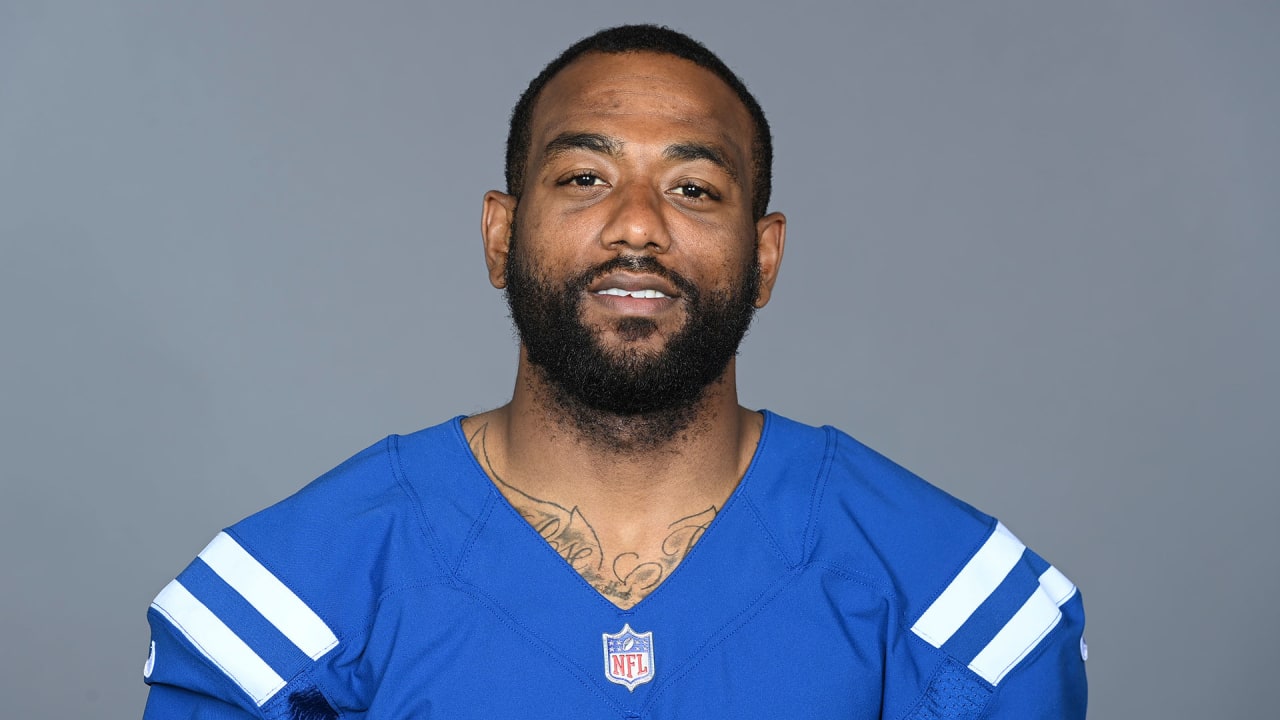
point(832, 584)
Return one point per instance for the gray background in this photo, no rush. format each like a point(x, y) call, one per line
point(1033, 256)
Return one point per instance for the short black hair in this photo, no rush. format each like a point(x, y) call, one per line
point(642, 38)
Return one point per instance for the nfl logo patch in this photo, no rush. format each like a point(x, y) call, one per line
point(628, 657)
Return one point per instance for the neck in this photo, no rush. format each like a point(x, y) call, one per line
point(622, 509)
point(539, 444)
point(623, 438)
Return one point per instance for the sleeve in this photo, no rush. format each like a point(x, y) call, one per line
point(1003, 640)
point(185, 686)
point(230, 641)
point(1050, 683)
point(168, 701)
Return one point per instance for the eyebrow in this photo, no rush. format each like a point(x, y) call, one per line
point(702, 151)
point(605, 145)
point(594, 142)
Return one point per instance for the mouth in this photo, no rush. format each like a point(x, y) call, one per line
point(634, 285)
point(642, 294)
point(634, 293)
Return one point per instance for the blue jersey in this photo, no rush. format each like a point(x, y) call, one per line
point(832, 584)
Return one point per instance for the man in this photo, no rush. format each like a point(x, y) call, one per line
point(622, 539)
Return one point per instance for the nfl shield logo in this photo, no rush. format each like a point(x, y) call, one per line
point(628, 657)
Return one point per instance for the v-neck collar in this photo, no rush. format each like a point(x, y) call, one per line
point(524, 542)
point(736, 567)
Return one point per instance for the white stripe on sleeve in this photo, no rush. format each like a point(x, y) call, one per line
point(1034, 620)
point(1057, 586)
point(269, 596)
point(217, 642)
point(975, 582)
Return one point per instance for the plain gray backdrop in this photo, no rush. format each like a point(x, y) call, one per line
point(1033, 256)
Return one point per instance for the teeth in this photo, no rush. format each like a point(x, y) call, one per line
point(619, 292)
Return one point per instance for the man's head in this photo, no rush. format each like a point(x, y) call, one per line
point(633, 39)
point(633, 256)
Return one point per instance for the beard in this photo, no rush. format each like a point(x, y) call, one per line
point(655, 392)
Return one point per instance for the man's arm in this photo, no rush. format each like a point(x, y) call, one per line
point(229, 639)
point(184, 683)
point(1007, 633)
point(1050, 683)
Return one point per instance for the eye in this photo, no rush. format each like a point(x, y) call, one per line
point(695, 191)
point(582, 179)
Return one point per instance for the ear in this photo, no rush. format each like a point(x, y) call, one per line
point(771, 238)
point(495, 228)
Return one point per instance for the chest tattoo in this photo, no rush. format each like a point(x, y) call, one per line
point(623, 577)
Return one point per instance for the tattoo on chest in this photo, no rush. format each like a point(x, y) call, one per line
point(626, 577)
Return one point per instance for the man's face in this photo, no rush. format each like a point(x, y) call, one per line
point(633, 270)
point(627, 377)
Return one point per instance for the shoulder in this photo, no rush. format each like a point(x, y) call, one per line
point(965, 592)
point(294, 584)
point(885, 520)
point(836, 500)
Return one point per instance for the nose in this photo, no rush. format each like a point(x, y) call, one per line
point(636, 220)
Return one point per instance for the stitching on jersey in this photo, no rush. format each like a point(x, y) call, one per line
point(505, 617)
point(866, 580)
point(773, 541)
point(492, 502)
point(818, 492)
point(562, 565)
point(859, 577)
point(424, 526)
point(1037, 645)
point(1057, 620)
point(905, 623)
point(338, 638)
point(474, 533)
point(739, 495)
point(226, 672)
point(428, 535)
point(500, 611)
point(951, 575)
point(755, 608)
point(895, 599)
point(727, 630)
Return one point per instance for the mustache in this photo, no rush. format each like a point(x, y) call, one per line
point(645, 264)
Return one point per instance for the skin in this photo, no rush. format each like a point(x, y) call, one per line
point(638, 153)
